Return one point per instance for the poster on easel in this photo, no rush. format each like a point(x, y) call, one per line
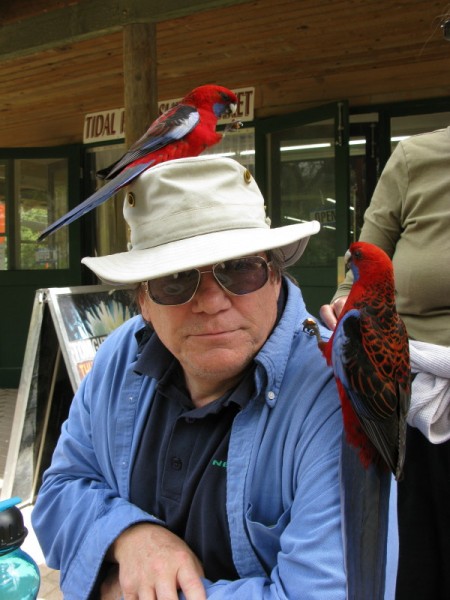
point(66, 329)
point(83, 317)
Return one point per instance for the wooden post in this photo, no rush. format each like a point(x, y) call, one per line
point(140, 97)
point(140, 78)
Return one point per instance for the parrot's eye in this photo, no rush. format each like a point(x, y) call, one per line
point(358, 255)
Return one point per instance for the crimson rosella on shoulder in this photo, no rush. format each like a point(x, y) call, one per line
point(369, 354)
point(185, 130)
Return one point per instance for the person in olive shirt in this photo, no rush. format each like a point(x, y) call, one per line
point(409, 218)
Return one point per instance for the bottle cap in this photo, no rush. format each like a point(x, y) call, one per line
point(12, 529)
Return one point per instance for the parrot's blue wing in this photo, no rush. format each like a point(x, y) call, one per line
point(373, 402)
point(340, 342)
point(355, 368)
point(171, 126)
point(97, 198)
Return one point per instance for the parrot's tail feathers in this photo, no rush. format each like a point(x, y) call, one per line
point(365, 505)
point(369, 454)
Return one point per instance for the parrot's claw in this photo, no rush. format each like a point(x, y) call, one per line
point(233, 126)
point(311, 328)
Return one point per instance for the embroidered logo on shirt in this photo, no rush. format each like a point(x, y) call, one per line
point(219, 463)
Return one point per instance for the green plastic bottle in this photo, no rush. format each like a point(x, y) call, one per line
point(19, 574)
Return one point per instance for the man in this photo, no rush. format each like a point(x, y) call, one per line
point(201, 453)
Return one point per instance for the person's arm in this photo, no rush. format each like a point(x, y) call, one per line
point(82, 509)
point(384, 217)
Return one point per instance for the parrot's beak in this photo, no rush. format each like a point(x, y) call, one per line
point(347, 261)
point(232, 108)
point(348, 258)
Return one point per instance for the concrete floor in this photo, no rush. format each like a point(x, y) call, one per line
point(49, 589)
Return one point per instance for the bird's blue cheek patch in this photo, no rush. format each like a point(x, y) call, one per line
point(355, 272)
point(218, 109)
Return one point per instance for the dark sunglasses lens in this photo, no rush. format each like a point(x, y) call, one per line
point(242, 275)
point(174, 289)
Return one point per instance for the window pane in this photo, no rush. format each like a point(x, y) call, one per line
point(403, 127)
point(111, 230)
point(307, 187)
point(239, 145)
point(40, 188)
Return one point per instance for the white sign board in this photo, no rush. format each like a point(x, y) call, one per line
point(110, 124)
point(67, 327)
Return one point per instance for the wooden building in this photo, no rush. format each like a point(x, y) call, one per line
point(327, 87)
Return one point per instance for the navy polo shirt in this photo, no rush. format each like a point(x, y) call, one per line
point(179, 474)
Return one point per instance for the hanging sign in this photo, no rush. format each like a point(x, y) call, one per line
point(109, 125)
point(324, 216)
point(245, 109)
point(104, 126)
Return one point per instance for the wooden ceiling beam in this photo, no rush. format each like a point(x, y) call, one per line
point(91, 19)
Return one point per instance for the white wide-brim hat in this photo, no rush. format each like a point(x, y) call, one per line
point(194, 212)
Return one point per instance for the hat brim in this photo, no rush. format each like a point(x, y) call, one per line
point(140, 265)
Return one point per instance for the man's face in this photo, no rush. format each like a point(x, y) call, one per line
point(215, 335)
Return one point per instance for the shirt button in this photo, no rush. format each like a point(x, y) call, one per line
point(176, 463)
point(271, 395)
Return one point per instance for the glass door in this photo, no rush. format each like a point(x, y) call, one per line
point(36, 187)
point(302, 166)
point(365, 164)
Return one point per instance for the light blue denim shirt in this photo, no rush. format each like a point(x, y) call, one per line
point(283, 499)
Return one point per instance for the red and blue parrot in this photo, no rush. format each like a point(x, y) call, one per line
point(369, 354)
point(185, 130)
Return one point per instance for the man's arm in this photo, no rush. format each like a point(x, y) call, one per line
point(82, 505)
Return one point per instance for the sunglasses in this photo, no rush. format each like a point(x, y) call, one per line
point(238, 277)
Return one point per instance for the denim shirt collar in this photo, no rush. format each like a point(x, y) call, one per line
point(273, 357)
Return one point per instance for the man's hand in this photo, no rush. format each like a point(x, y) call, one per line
point(329, 313)
point(153, 564)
